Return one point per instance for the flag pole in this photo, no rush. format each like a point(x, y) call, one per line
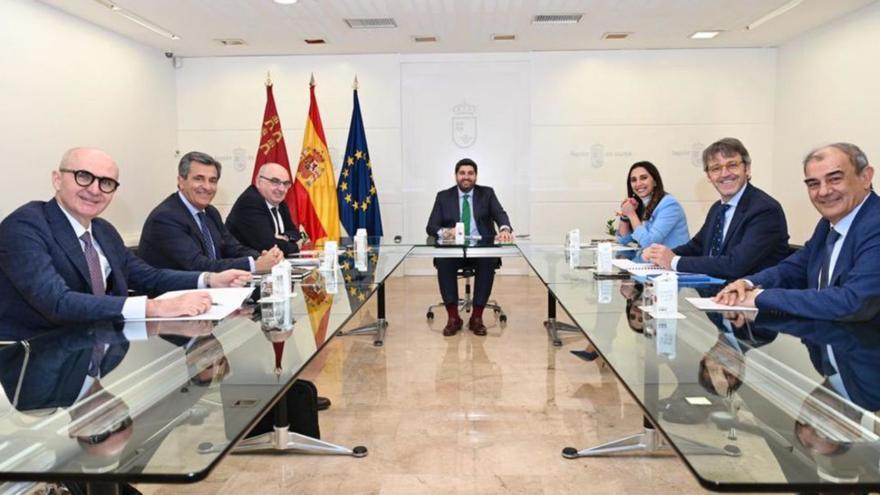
point(268, 79)
point(355, 85)
point(312, 80)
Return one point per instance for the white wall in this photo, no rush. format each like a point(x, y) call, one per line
point(557, 131)
point(68, 83)
point(827, 91)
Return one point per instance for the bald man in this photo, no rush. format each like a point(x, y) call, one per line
point(260, 219)
point(60, 263)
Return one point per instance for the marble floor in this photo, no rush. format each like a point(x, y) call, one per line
point(464, 414)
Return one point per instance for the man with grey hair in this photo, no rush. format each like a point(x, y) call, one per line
point(836, 276)
point(186, 232)
point(743, 233)
point(260, 218)
point(61, 264)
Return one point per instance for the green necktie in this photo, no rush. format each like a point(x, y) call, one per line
point(466, 215)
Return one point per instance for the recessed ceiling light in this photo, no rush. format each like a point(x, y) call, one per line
point(424, 39)
point(615, 36)
point(705, 35)
point(231, 41)
point(285, 2)
point(503, 37)
point(371, 23)
point(557, 18)
point(315, 41)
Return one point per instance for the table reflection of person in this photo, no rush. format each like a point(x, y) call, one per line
point(722, 367)
point(632, 292)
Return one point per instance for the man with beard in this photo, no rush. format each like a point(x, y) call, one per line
point(479, 210)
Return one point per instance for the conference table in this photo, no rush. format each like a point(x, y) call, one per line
point(748, 404)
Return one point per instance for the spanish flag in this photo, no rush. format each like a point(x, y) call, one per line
point(315, 185)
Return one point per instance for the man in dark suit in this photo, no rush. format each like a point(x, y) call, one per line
point(260, 219)
point(479, 210)
point(840, 259)
point(60, 264)
point(185, 232)
point(743, 233)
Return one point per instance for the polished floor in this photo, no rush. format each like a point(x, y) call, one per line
point(466, 414)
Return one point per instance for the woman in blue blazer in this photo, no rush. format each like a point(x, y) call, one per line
point(649, 214)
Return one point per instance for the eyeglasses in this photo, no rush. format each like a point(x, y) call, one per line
point(84, 178)
point(716, 170)
point(277, 182)
point(104, 435)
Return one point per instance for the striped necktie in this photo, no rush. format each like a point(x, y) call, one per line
point(96, 276)
point(206, 235)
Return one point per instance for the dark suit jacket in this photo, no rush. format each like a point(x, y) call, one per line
point(856, 351)
point(44, 278)
point(853, 293)
point(757, 238)
point(57, 365)
point(251, 223)
point(486, 209)
point(171, 238)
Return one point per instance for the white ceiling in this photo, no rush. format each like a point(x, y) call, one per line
point(459, 25)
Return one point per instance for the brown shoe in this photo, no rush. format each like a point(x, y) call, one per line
point(475, 324)
point(453, 325)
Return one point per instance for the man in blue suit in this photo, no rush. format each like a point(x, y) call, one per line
point(744, 232)
point(479, 209)
point(186, 233)
point(836, 276)
point(61, 264)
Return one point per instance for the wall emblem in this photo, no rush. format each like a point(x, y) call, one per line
point(464, 125)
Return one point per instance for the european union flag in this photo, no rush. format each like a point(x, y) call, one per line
point(358, 199)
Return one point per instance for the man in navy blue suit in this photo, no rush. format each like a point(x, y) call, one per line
point(744, 232)
point(61, 264)
point(479, 209)
point(836, 276)
point(260, 219)
point(186, 233)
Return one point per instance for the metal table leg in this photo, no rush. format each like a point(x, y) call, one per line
point(377, 327)
point(554, 327)
point(281, 439)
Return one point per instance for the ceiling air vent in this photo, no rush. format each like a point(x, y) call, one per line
point(615, 36)
point(371, 23)
point(231, 41)
point(557, 18)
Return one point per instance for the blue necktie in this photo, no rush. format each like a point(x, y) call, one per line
point(832, 237)
point(206, 235)
point(718, 231)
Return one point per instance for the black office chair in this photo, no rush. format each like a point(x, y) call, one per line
point(466, 303)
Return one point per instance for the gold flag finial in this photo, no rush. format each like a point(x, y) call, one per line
point(312, 80)
point(355, 85)
point(268, 78)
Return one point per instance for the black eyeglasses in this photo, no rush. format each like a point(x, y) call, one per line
point(277, 182)
point(104, 435)
point(84, 178)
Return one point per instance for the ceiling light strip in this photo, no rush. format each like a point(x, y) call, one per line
point(140, 21)
point(775, 13)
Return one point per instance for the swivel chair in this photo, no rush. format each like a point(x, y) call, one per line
point(466, 303)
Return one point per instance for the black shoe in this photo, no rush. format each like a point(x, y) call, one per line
point(323, 403)
point(586, 355)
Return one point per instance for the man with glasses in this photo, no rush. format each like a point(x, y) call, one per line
point(260, 219)
point(60, 263)
point(744, 232)
point(186, 232)
point(836, 276)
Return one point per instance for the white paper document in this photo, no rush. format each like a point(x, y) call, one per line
point(615, 248)
point(225, 301)
point(639, 268)
point(707, 304)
